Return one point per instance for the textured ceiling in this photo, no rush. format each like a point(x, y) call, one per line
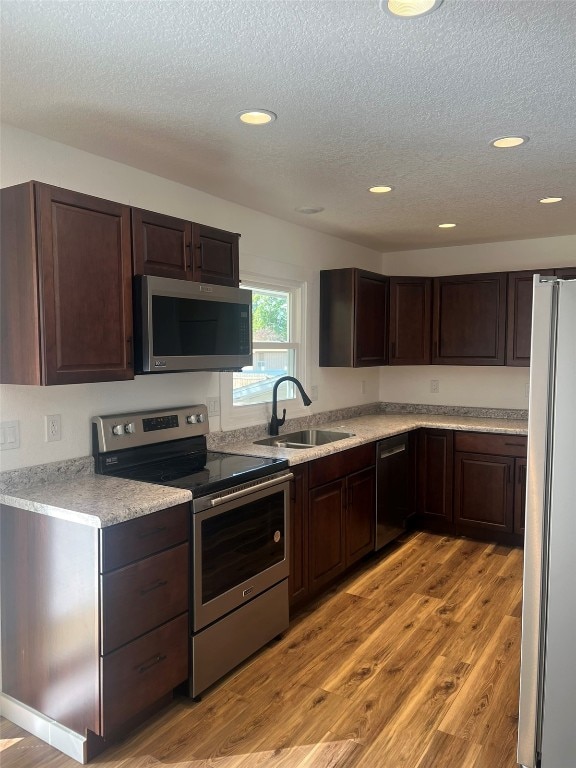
point(362, 98)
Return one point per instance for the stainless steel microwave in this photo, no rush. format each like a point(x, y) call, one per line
point(184, 326)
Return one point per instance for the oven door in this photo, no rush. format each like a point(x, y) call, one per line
point(240, 547)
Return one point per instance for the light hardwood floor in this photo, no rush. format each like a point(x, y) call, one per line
point(413, 662)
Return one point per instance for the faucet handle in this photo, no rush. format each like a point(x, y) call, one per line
point(283, 419)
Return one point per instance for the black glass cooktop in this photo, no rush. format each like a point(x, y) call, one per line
point(204, 472)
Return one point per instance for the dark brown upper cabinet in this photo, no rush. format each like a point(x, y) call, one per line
point(66, 295)
point(519, 329)
point(410, 321)
point(353, 318)
point(469, 324)
point(168, 247)
point(565, 272)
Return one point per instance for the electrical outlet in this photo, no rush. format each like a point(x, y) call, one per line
point(53, 425)
point(314, 392)
point(213, 405)
point(9, 435)
point(435, 385)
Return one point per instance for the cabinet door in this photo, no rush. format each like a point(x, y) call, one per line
point(519, 329)
point(435, 473)
point(469, 319)
point(161, 245)
point(298, 580)
point(86, 287)
point(520, 495)
point(370, 334)
point(360, 514)
point(326, 530)
point(484, 491)
point(410, 320)
point(216, 256)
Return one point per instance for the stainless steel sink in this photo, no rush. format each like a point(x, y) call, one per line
point(306, 438)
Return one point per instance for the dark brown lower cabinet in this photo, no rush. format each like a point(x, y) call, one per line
point(341, 513)
point(490, 484)
point(96, 635)
point(435, 452)
point(298, 581)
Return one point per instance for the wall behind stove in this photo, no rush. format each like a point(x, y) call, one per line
point(268, 246)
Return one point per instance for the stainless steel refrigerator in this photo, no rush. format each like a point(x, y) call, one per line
point(547, 716)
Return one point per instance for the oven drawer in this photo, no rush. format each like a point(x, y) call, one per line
point(142, 672)
point(126, 542)
point(143, 595)
point(496, 445)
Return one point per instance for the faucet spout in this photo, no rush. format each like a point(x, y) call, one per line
point(276, 422)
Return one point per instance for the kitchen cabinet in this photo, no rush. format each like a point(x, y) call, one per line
point(519, 328)
point(298, 580)
point(410, 323)
point(66, 293)
point(469, 319)
point(96, 636)
point(165, 246)
point(489, 482)
point(341, 512)
point(353, 318)
point(435, 449)
point(565, 272)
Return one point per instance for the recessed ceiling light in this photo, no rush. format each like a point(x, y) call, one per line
point(379, 190)
point(257, 116)
point(309, 209)
point(507, 142)
point(408, 8)
point(550, 199)
point(446, 226)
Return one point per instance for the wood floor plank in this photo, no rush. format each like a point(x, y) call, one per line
point(410, 663)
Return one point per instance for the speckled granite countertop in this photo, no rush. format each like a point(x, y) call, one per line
point(95, 500)
point(376, 427)
point(71, 490)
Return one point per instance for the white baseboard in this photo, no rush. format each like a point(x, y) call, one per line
point(58, 736)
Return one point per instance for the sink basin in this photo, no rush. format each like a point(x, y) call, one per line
point(306, 438)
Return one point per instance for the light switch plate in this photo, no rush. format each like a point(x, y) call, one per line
point(9, 435)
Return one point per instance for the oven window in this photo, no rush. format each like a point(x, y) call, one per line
point(240, 543)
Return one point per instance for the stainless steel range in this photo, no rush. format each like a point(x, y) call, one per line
point(239, 529)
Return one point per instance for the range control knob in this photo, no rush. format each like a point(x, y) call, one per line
point(200, 417)
point(130, 429)
point(191, 419)
point(117, 429)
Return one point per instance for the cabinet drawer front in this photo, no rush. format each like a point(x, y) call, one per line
point(139, 674)
point(498, 445)
point(341, 464)
point(126, 542)
point(141, 596)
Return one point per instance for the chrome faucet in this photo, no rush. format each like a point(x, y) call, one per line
point(275, 422)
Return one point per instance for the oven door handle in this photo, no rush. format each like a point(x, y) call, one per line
point(253, 489)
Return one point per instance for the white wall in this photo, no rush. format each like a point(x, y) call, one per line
point(268, 246)
point(484, 386)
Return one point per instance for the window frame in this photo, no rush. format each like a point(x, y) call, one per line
point(231, 415)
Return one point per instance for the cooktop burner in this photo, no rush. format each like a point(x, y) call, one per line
point(204, 472)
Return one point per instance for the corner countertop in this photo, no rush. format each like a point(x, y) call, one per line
point(377, 427)
point(100, 501)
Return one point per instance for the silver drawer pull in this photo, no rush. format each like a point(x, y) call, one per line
point(152, 663)
point(157, 584)
point(392, 451)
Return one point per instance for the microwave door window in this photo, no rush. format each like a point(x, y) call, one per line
point(189, 327)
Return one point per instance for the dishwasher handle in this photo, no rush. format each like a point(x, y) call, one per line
point(391, 451)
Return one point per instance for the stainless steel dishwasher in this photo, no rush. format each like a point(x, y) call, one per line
point(392, 488)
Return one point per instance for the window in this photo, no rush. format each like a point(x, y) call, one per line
point(275, 342)
point(278, 311)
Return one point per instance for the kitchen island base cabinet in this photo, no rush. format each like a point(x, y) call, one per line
point(93, 637)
